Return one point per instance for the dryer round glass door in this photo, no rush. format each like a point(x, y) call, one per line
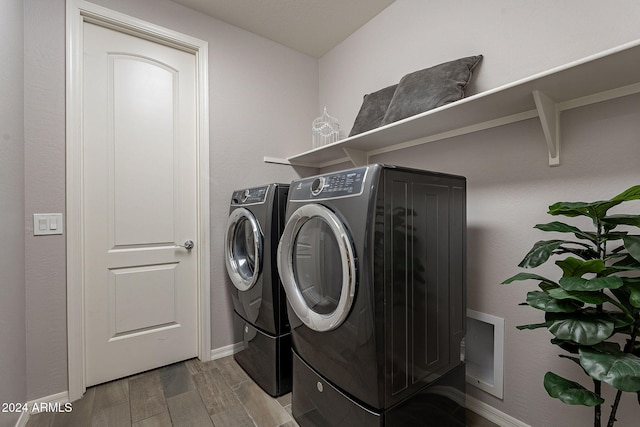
point(316, 262)
point(243, 248)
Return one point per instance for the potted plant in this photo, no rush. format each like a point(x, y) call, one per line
point(593, 310)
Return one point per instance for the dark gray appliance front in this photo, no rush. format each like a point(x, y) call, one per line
point(256, 219)
point(373, 263)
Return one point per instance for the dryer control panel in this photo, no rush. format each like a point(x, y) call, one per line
point(250, 196)
point(330, 186)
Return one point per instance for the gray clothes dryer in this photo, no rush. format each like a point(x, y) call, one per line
point(373, 263)
point(256, 219)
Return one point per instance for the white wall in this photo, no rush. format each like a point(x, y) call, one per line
point(44, 192)
point(263, 97)
point(510, 184)
point(518, 38)
point(12, 291)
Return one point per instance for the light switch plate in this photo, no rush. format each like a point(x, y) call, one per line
point(47, 224)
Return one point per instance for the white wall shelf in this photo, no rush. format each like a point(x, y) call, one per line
point(607, 75)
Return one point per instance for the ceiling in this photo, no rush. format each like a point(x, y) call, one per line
point(313, 27)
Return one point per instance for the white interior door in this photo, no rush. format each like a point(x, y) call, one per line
point(139, 202)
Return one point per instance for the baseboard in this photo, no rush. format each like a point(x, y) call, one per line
point(54, 402)
point(492, 414)
point(227, 350)
point(58, 399)
point(22, 421)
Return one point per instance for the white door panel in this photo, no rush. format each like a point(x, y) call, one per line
point(139, 167)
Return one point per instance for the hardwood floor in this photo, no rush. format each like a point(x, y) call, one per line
point(186, 394)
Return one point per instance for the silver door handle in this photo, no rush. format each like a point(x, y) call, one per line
point(188, 245)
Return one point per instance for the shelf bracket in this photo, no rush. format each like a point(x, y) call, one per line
point(357, 157)
point(276, 160)
point(549, 114)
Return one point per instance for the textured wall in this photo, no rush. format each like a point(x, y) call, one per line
point(12, 292)
point(44, 192)
point(510, 184)
point(263, 97)
point(518, 38)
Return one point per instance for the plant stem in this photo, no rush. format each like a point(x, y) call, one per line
point(614, 408)
point(597, 414)
point(628, 348)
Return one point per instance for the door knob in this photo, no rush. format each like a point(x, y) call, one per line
point(188, 245)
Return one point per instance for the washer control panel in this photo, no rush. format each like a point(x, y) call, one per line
point(333, 185)
point(250, 196)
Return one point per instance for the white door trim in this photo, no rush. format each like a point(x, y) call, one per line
point(79, 11)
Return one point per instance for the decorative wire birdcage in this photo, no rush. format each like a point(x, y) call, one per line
point(324, 130)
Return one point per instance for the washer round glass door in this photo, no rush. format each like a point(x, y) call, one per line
point(316, 263)
point(243, 248)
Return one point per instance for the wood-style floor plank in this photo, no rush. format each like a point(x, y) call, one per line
point(261, 406)
point(233, 416)
point(231, 371)
point(162, 419)
point(145, 408)
point(187, 410)
point(216, 393)
point(176, 380)
point(145, 385)
point(118, 415)
point(44, 419)
point(146, 396)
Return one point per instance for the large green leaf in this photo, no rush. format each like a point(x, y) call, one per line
point(542, 301)
point(613, 221)
point(607, 347)
point(594, 210)
point(632, 193)
point(584, 296)
point(623, 295)
point(584, 327)
point(632, 244)
point(568, 346)
point(584, 253)
point(614, 235)
point(627, 263)
point(546, 287)
point(595, 284)
point(634, 293)
point(621, 370)
point(533, 326)
point(570, 392)
point(576, 267)
point(561, 227)
point(620, 320)
point(527, 276)
point(540, 253)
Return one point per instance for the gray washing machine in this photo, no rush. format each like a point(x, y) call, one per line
point(256, 220)
point(373, 263)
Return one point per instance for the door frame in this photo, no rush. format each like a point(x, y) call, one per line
point(78, 12)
